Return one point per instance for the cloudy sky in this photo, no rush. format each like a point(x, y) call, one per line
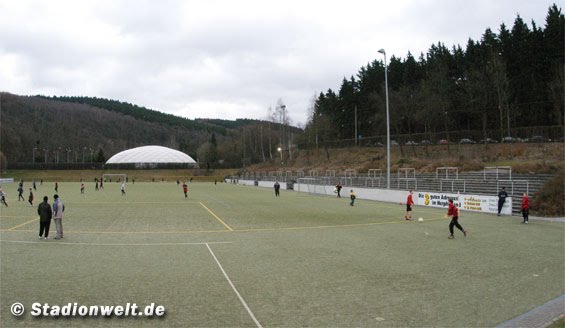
point(221, 58)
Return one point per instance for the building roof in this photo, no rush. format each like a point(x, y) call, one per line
point(150, 154)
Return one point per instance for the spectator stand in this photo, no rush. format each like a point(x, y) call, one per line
point(447, 170)
point(446, 177)
point(349, 174)
point(289, 176)
point(374, 175)
point(497, 172)
point(408, 176)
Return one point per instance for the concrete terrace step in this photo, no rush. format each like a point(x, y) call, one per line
point(464, 182)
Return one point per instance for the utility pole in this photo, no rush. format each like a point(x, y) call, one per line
point(355, 125)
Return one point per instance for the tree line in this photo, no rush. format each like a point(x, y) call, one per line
point(81, 130)
point(513, 78)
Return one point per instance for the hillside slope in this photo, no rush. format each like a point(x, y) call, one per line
point(32, 122)
point(523, 157)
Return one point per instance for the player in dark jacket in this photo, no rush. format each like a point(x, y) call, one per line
point(338, 189)
point(45, 215)
point(20, 193)
point(501, 198)
point(30, 198)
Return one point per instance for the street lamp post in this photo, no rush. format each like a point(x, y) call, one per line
point(68, 155)
point(280, 151)
point(33, 154)
point(83, 149)
point(382, 51)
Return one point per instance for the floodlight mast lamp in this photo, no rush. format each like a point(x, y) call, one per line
point(382, 51)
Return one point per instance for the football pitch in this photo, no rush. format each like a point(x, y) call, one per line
point(233, 255)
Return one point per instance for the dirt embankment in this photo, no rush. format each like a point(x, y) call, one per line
point(523, 157)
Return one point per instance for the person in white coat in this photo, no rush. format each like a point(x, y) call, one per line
point(58, 209)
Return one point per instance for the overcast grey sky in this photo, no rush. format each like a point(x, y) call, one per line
point(225, 59)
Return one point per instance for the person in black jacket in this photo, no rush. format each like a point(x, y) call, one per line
point(501, 198)
point(45, 215)
point(20, 193)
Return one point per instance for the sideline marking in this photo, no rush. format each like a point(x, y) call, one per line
point(217, 217)
point(542, 316)
point(13, 216)
point(113, 244)
point(23, 224)
point(332, 226)
point(234, 289)
point(242, 230)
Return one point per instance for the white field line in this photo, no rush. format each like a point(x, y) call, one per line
point(111, 244)
point(234, 289)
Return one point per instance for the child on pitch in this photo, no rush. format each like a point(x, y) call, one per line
point(123, 188)
point(352, 197)
point(185, 189)
point(453, 212)
point(20, 192)
point(30, 198)
point(3, 197)
point(409, 203)
point(525, 208)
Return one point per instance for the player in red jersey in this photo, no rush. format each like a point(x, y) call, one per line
point(525, 207)
point(409, 203)
point(185, 189)
point(453, 212)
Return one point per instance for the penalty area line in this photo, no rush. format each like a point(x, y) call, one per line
point(23, 224)
point(217, 217)
point(234, 289)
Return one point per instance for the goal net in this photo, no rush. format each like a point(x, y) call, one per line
point(115, 177)
point(313, 186)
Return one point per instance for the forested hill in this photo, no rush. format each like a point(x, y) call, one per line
point(69, 129)
point(149, 115)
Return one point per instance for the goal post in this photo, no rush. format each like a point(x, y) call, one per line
point(115, 177)
point(312, 186)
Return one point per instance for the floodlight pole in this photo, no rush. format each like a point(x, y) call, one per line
point(382, 51)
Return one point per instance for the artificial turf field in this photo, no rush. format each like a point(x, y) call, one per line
point(296, 260)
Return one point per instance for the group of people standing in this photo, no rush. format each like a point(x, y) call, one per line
point(46, 213)
point(524, 208)
point(453, 211)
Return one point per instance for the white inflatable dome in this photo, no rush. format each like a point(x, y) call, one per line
point(150, 154)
